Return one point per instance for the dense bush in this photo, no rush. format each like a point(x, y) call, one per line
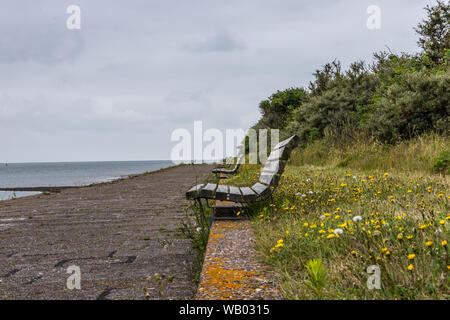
point(341, 106)
point(397, 97)
point(277, 109)
point(418, 102)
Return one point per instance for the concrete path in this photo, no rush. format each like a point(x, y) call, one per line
point(231, 270)
point(118, 234)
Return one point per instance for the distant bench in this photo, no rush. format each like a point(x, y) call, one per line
point(260, 191)
point(230, 171)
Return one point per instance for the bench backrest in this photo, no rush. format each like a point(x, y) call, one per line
point(268, 180)
point(274, 167)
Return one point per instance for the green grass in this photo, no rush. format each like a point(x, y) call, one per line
point(404, 226)
point(429, 153)
point(196, 229)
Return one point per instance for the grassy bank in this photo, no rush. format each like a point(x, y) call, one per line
point(428, 154)
point(331, 220)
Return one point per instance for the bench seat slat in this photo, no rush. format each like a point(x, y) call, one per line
point(209, 190)
point(222, 192)
point(248, 195)
point(194, 192)
point(262, 190)
point(235, 194)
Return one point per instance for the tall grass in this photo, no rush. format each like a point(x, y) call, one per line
point(420, 154)
point(352, 221)
point(343, 207)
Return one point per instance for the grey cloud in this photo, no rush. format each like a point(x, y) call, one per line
point(221, 41)
point(39, 37)
point(139, 69)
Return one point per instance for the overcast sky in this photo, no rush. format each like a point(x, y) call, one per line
point(138, 69)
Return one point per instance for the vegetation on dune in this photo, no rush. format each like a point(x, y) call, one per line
point(369, 184)
point(394, 98)
point(326, 226)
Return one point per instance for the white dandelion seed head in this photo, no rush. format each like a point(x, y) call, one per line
point(357, 218)
point(338, 231)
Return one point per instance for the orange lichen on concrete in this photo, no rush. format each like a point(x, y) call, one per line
point(230, 270)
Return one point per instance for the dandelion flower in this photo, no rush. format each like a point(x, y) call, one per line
point(429, 243)
point(444, 243)
point(400, 237)
point(411, 256)
point(410, 267)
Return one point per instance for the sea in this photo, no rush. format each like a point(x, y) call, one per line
point(51, 174)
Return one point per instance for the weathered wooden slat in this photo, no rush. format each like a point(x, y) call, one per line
point(267, 179)
point(222, 192)
point(194, 191)
point(262, 190)
point(235, 194)
point(292, 141)
point(271, 166)
point(277, 154)
point(248, 195)
point(209, 190)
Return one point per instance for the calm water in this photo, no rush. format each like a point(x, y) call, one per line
point(69, 173)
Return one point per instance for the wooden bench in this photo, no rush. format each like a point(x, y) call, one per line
point(229, 171)
point(260, 191)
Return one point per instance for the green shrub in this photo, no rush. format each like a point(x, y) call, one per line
point(442, 162)
point(416, 103)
